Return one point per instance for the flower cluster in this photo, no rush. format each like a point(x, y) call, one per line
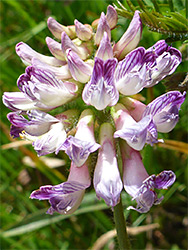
point(86, 67)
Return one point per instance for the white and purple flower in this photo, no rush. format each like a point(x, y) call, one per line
point(79, 147)
point(66, 197)
point(107, 180)
point(40, 89)
point(139, 184)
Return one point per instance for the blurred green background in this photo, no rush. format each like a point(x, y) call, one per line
point(24, 224)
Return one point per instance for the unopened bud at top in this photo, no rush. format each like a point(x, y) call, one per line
point(130, 39)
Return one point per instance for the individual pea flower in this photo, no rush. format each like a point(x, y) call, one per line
point(40, 89)
point(80, 70)
point(165, 110)
point(139, 184)
point(100, 91)
point(135, 133)
point(101, 28)
point(45, 131)
point(83, 31)
point(83, 143)
point(57, 28)
point(143, 68)
point(66, 197)
point(130, 38)
point(107, 180)
point(26, 53)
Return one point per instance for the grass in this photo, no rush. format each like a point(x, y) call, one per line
point(24, 224)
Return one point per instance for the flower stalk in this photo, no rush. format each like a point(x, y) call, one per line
point(120, 224)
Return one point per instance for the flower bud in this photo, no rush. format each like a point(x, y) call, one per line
point(57, 29)
point(130, 39)
point(83, 31)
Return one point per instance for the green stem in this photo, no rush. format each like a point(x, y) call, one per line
point(120, 224)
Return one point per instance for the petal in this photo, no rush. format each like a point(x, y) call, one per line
point(165, 110)
point(135, 133)
point(66, 197)
point(130, 39)
point(50, 141)
point(83, 32)
point(80, 70)
point(57, 29)
point(78, 150)
point(55, 48)
point(130, 74)
point(61, 73)
point(18, 101)
point(111, 16)
point(107, 180)
point(26, 53)
point(105, 49)
point(100, 92)
point(101, 28)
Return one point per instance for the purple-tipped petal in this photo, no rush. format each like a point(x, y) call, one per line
point(166, 60)
point(66, 197)
point(19, 101)
point(57, 29)
point(26, 54)
point(101, 92)
point(111, 16)
point(165, 110)
point(105, 49)
point(80, 70)
point(78, 150)
point(130, 74)
point(139, 184)
point(55, 48)
point(83, 32)
point(62, 72)
point(43, 88)
point(79, 147)
point(130, 39)
point(107, 180)
point(101, 28)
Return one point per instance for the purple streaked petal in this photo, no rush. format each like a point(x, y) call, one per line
point(107, 180)
point(166, 60)
point(83, 32)
point(80, 70)
point(105, 49)
point(26, 54)
point(61, 73)
point(136, 133)
point(101, 92)
point(50, 141)
point(57, 28)
point(130, 39)
point(130, 74)
point(139, 184)
point(171, 98)
point(101, 28)
point(18, 101)
point(111, 16)
point(78, 150)
point(165, 110)
point(66, 197)
point(44, 88)
point(55, 48)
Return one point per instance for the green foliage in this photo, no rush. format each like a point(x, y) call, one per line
point(159, 17)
